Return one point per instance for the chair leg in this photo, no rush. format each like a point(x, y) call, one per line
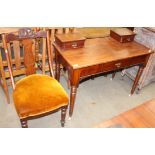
point(63, 115)
point(7, 95)
point(5, 89)
point(113, 75)
point(24, 123)
point(92, 77)
point(122, 74)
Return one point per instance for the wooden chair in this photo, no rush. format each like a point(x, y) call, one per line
point(35, 95)
point(16, 61)
point(3, 81)
point(42, 56)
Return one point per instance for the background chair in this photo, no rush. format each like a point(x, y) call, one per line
point(41, 49)
point(35, 95)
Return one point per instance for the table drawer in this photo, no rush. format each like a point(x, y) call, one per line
point(72, 45)
point(125, 63)
point(126, 36)
point(91, 70)
point(110, 66)
point(64, 44)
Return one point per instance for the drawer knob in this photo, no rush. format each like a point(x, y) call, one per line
point(128, 39)
point(74, 45)
point(118, 65)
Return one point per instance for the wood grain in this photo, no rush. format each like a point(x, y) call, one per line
point(110, 50)
point(142, 116)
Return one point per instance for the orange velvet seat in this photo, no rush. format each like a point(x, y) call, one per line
point(38, 94)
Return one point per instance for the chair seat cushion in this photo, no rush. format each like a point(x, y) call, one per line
point(37, 94)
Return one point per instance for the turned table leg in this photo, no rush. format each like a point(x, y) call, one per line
point(72, 99)
point(113, 75)
point(57, 69)
point(139, 73)
point(74, 77)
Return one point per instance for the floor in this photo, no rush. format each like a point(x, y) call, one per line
point(97, 100)
point(141, 116)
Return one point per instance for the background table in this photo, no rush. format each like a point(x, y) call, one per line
point(8, 29)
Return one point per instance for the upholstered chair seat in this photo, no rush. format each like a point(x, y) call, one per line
point(38, 94)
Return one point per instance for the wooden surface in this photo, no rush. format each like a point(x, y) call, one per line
point(122, 35)
point(108, 55)
point(69, 41)
point(8, 29)
point(69, 37)
point(107, 51)
point(142, 116)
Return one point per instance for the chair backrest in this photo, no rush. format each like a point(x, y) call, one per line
point(23, 43)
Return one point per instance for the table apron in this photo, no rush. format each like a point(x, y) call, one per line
point(112, 66)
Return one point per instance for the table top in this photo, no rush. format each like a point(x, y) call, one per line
point(8, 29)
point(107, 51)
point(142, 116)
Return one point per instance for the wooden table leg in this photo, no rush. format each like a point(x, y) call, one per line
point(74, 82)
point(139, 73)
point(113, 75)
point(57, 69)
point(72, 99)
